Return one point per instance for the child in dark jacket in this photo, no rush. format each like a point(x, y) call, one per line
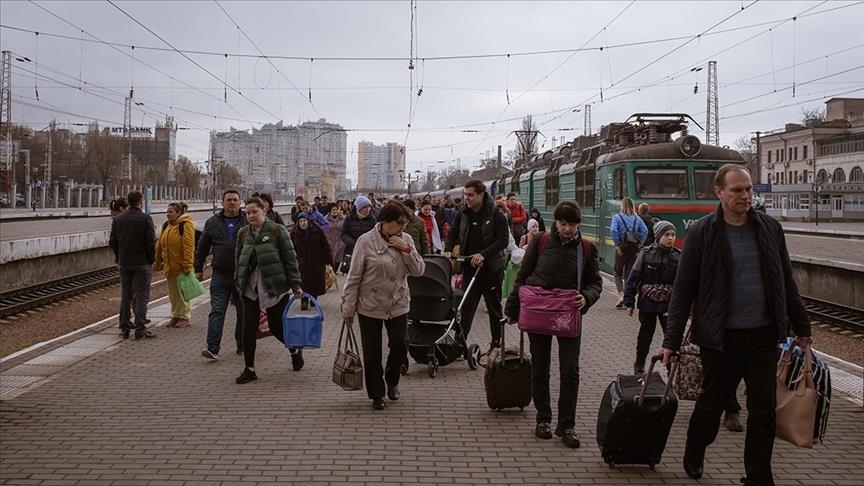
point(651, 278)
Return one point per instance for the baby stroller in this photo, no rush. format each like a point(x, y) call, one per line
point(435, 336)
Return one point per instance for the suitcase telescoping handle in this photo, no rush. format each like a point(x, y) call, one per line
point(650, 372)
point(521, 340)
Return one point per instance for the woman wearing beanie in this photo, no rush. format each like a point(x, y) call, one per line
point(357, 223)
point(175, 253)
point(651, 279)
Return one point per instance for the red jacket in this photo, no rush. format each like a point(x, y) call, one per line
point(518, 213)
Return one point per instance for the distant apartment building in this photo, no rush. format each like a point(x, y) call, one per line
point(817, 165)
point(378, 167)
point(308, 159)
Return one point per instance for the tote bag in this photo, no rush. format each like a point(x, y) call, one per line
point(189, 286)
point(796, 408)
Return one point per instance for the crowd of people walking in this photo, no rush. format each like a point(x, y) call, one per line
point(733, 276)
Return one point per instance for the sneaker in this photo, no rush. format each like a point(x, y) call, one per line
point(247, 376)
point(183, 323)
point(297, 360)
point(172, 322)
point(732, 421)
point(209, 354)
point(620, 304)
point(144, 335)
point(124, 333)
point(638, 369)
point(543, 430)
point(569, 437)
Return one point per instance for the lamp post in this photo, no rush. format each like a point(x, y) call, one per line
point(817, 187)
point(403, 178)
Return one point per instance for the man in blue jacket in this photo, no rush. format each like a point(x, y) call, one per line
point(736, 277)
point(133, 241)
point(220, 236)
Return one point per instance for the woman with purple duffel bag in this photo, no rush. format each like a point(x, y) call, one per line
point(558, 282)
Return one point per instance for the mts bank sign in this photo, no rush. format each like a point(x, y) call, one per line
point(133, 131)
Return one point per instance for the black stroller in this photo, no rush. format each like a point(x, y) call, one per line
point(435, 336)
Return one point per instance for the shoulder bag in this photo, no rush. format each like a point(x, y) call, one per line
point(348, 367)
point(551, 311)
point(796, 407)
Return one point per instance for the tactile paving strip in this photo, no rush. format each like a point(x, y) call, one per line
point(11, 383)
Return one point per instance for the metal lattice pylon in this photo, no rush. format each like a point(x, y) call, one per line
point(712, 126)
point(126, 173)
point(587, 120)
point(6, 176)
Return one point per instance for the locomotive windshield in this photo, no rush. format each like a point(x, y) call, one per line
point(704, 183)
point(662, 183)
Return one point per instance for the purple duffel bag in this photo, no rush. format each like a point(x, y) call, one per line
point(551, 311)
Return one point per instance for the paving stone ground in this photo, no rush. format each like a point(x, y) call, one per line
point(156, 413)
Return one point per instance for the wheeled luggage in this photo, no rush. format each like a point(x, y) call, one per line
point(507, 379)
point(635, 417)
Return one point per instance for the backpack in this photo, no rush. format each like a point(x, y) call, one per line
point(180, 228)
point(630, 242)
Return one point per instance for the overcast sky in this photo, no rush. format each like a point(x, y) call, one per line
point(755, 49)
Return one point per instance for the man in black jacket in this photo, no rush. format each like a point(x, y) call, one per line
point(133, 241)
point(480, 229)
point(736, 276)
point(220, 235)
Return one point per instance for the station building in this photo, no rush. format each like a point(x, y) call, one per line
point(816, 171)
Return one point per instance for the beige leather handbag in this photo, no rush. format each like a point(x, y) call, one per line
point(796, 408)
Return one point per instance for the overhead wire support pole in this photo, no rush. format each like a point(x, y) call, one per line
point(712, 125)
point(8, 172)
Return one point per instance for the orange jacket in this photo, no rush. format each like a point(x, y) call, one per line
point(518, 213)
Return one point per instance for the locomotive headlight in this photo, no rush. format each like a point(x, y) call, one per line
point(689, 145)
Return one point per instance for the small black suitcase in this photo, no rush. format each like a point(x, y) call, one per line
point(507, 379)
point(635, 418)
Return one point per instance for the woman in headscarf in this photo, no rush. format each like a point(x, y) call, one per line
point(531, 230)
point(334, 234)
point(313, 254)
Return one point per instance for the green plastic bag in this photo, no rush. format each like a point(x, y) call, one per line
point(509, 279)
point(189, 286)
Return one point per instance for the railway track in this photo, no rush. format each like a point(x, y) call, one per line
point(20, 301)
point(837, 315)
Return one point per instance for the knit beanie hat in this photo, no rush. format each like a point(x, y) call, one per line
point(361, 202)
point(302, 216)
point(661, 227)
point(532, 223)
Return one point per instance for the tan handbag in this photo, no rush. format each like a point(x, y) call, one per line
point(348, 367)
point(796, 408)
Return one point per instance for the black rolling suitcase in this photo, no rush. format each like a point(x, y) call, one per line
point(635, 418)
point(507, 379)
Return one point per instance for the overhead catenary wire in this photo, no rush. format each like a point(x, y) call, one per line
point(117, 47)
point(452, 57)
point(140, 24)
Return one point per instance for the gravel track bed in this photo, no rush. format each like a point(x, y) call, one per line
point(60, 318)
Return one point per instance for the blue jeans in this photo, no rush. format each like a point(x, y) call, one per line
point(134, 281)
point(221, 290)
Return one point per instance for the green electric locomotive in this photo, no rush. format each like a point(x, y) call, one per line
point(638, 158)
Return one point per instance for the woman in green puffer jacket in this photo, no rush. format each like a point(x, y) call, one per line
point(266, 273)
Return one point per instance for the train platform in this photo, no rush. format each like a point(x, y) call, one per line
point(842, 229)
point(93, 409)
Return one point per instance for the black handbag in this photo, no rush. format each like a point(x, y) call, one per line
point(348, 367)
point(345, 265)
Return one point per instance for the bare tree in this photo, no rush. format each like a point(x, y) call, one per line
point(526, 138)
point(103, 157)
point(186, 173)
point(453, 178)
point(227, 177)
point(428, 181)
point(746, 146)
point(809, 115)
